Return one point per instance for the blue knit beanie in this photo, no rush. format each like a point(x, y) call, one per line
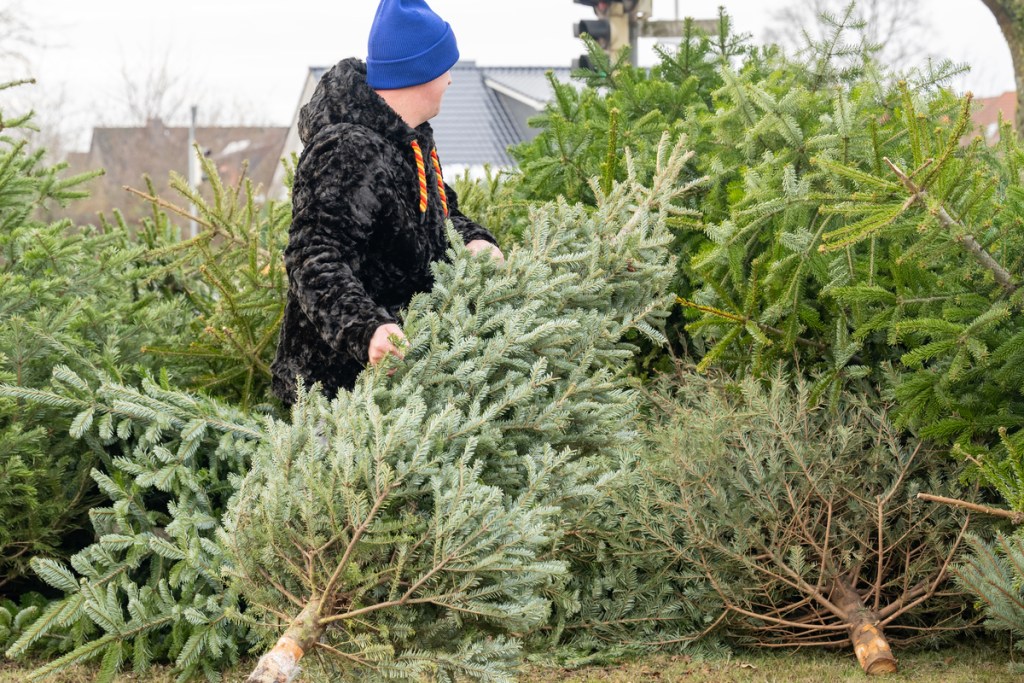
point(409, 45)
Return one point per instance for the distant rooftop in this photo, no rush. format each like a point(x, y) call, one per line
point(530, 82)
point(127, 154)
point(473, 127)
point(988, 110)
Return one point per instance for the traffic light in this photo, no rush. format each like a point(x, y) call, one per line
point(620, 23)
point(600, 7)
point(611, 29)
point(583, 62)
point(598, 29)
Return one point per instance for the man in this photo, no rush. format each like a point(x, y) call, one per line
point(369, 204)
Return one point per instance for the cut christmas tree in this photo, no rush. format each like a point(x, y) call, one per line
point(409, 526)
point(804, 517)
point(404, 529)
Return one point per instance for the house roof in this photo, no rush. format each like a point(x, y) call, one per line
point(473, 127)
point(530, 83)
point(987, 111)
point(128, 154)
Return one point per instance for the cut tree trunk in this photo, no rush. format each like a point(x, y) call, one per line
point(1009, 15)
point(869, 643)
point(281, 664)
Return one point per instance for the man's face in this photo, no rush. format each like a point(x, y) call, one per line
point(434, 91)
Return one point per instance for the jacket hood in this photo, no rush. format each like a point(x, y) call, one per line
point(343, 96)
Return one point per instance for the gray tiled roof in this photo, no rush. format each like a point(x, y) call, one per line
point(473, 127)
point(530, 81)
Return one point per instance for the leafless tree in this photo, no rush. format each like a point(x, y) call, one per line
point(896, 27)
point(237, 111)
point(55, 127)
point(58, 128)
point(154, 92)
point(158, 90)
point(16, 42)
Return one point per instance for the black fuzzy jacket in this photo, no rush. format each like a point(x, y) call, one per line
point(359, 247)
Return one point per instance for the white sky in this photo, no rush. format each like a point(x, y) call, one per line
point(254, 54)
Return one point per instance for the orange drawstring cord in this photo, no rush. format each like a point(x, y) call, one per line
point(440, 181)
point(421, 173)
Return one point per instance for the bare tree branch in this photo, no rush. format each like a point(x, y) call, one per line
point(896, 27)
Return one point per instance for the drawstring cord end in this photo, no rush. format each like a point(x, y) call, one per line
point(421, 177)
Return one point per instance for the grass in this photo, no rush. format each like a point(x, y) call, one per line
point(962, 664)
point(957, 665)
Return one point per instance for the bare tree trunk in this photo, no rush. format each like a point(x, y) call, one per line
point(1009, 15)
point(281, 664)
point(872, 649)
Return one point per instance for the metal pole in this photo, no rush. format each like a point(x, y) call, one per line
point(621, 25)
point(193, 173)
point(634, 40)
point(639, 16)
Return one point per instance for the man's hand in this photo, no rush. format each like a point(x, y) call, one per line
point(476, 246)
point(381, 344)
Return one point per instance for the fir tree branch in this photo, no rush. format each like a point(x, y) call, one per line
point(214, 230)
point(1015, 517)
point(401, 602)
point(693, 638)
point(16, 84)
point(281, 589)
point(164, 204)
point(906, 602)
point(968, 241)
point(328, 590)
point(743, 320)
point(344, 655)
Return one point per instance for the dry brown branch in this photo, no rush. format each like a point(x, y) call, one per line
point(889, 613)
point(786, 622)
point(1015, 517)
point(843, 643)
point(166, 205)
point(284, 591)
point(344, 655)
